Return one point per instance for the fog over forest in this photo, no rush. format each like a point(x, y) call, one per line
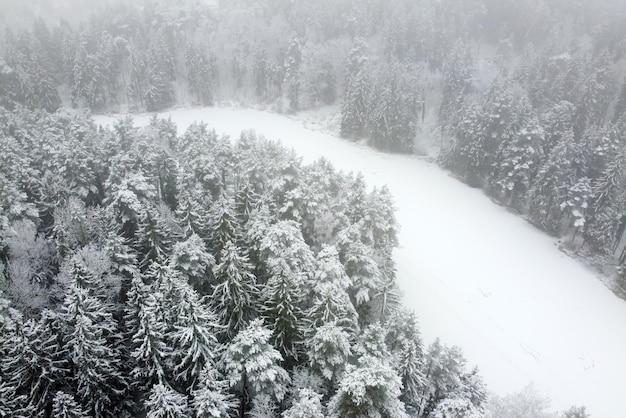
point(162, 269)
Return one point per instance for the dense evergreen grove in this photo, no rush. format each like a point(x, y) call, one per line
point(527, 99)
point(184, 275)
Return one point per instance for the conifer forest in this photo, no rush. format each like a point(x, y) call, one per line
point(162, 272)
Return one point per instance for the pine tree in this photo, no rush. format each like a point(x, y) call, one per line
point(65, 406)
point(263, 407)
point(193, 335)
point(93, 341)
point(454, 407)
point(282, 299)
point(284, 251)
point(404, 342)
point(211, 398)
point(88, 76)
point(199, 74)
point(34, 361)
point(457, 84)
point(394, 110)
point(152, 353)
point(158, 93)
point(332, 303)
point(518, 161)
point(251, 362)
point(356, 102)
point(329, 350)
point(598, 93)
point(154, 239)
point(129, 198)
point(308, 404)
point(236, 294)
point(246, 201)
point(165, 402)
point(554, 179)
point(293, 61)
point(359, 265)
point(223, 225)
point(370, 389)
point(192, 214)
point(194, 262)
point(379, 225)
point(451, 386)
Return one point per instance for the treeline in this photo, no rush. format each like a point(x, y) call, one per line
point(184, 275)
point(548, 139)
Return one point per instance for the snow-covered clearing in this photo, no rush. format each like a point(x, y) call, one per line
point(477, 276)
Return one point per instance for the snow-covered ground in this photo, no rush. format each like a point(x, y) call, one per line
point(477, 276)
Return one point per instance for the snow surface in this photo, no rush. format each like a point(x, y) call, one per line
point(476, 275)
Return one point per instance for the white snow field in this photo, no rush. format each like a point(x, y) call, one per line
point(476, 275)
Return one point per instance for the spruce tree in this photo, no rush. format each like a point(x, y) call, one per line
point(93, 341)
point(236, 294)
point(165, 402)
point(251, 362)
point(308, 404)
point(329, 350)
point(356, 103)
point(65, 406)
point(211, 398)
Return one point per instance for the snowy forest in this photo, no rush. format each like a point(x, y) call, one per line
point(152, 272)
point(523, 99)
point(187, 276)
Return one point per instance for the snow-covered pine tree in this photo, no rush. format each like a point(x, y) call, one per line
point(356, 103)
point(165, 402)
point(34, 362)
point(250, 362)
point(308, 404)
point(263, 406)
point(357, 199)
point(88, 74)
point(93, 340)
point(457, 84)
point(193, 335)
point(288, 261)
point(371, 388)
point(293, 60)
point(192, 259)
point(151, 351)
point(192, 213)
point(154, 239)
point(518, 160)
point(359, 264)
point(598, 92)
point(199, 74)
point(223, 225)
point(284, 251)
point(404, 342)
point(331, 303)
point(236, 293)
point(607, 202)
point(128, 198)
point(449, 382)
point(394, 109)
point(555, 177)
point(379, 226)
point(65, 406)
point(246, 200)
point(329, 350)
point(211, 398)
point(158, 93)
point(282, 301)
